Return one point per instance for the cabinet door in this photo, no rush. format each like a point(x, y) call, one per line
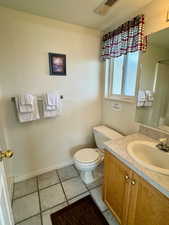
point(147, 205)
point(116, 187)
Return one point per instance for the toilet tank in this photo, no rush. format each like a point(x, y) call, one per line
point(103, 133)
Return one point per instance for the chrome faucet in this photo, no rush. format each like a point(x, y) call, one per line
point(163, 145)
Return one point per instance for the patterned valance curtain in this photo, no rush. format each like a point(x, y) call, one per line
point(129, 37)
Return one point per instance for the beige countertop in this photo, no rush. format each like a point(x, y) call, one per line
point(119, 149)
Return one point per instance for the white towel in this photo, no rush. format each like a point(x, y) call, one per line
point(149, 96)
point(141, 98)
point(52, 105)
point(27, 116)
point(51, 101)
point(52, 98)
point(148, 104)
point(25, 103)
point(145, 98)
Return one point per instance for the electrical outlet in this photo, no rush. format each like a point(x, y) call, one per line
point(116, 107)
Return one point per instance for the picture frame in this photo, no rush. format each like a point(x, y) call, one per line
point(57, 64)
point(167, 15)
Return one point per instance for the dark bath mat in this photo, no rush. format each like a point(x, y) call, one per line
point(82, 212)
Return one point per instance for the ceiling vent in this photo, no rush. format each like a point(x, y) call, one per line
point(104, 7)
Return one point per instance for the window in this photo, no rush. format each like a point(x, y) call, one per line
point(121, 76)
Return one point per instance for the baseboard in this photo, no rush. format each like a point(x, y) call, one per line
point(41, 171)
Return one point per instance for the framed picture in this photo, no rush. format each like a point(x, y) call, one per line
point(57, 64)
point(168, 15)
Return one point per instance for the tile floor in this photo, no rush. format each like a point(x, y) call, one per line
point(36, 198)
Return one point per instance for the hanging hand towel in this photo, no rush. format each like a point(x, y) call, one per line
point(27, 116)
point(141, 98)
point(52, 105)
point(51, 101)
point(52, 98)
point(148, 104)
point(25, 103)
point(149, 95)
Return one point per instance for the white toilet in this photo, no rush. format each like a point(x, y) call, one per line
point(87, 159)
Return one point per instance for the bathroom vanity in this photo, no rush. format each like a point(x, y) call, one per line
point(134, 194)
point(136, 172)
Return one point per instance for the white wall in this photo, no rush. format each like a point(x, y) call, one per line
point(155, 20)
point(25, 41)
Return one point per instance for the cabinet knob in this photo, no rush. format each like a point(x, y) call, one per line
point(133, 182)
point(126, 177)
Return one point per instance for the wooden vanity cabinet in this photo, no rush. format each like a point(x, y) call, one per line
point(116, 187)
point(131, 199)
point(147, 205)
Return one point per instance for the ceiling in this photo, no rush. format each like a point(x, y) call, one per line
point(78, 11)
point(160, 38)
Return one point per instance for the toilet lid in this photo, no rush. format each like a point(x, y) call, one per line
point(87, 155)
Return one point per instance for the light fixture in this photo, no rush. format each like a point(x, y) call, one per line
point(104, 7)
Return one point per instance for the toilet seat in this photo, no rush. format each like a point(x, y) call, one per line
point(87, 156)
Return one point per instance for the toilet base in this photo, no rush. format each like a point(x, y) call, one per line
point(87, 176)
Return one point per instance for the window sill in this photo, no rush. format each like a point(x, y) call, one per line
point(131, 100)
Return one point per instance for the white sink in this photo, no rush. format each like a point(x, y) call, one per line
point(149, 156)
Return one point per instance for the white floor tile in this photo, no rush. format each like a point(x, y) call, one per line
point(26, 207)
point(48, 179)
point(67, 173)
point(97, 196)
point(78, 197)
point(95, 184)
point(32, 221)
point(74, 187)
point(25, 187)
point(51, 196)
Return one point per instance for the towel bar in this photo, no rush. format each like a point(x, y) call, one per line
point(39, 98)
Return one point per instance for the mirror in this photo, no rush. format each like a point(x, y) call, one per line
point(153, 93)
